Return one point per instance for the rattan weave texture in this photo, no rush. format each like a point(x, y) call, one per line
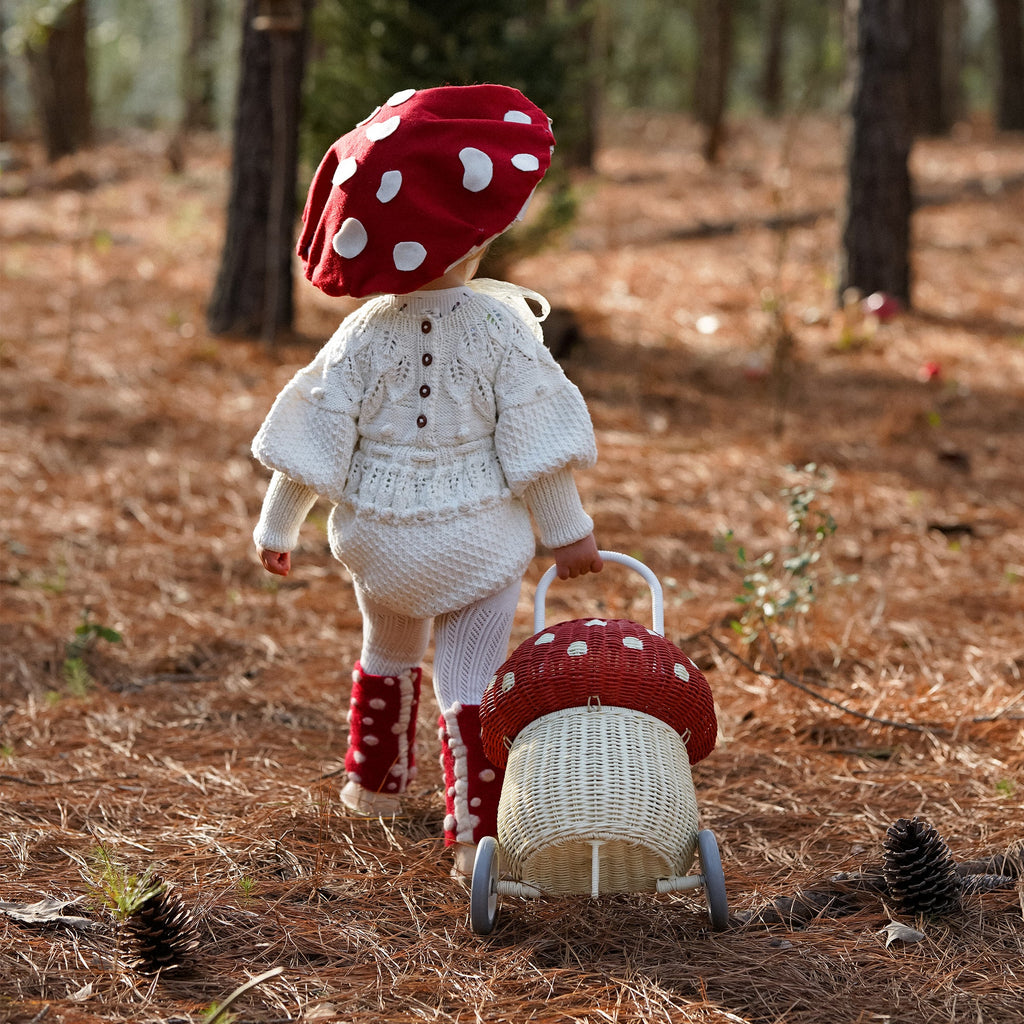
point(599, 774)
point(612, 662)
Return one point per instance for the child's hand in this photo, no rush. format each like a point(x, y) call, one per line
point(578, 559)
point(277, 562)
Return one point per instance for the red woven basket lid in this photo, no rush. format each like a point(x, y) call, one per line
point(616, 662)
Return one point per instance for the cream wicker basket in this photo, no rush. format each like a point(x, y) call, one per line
point(570, 822)
point(596, 799)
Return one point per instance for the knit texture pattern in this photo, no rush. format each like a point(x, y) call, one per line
point(437, 409)
point(472, 783)
point(381, 754)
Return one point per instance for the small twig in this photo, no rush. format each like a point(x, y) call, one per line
point(1004, 714)
point(241, 990)
point(810, 691)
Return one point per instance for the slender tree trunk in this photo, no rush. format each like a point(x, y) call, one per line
point(253, 294)
point(714, 30)
point(198, 69)
point(5, 127)
point(876, 231)
point(59, 80)
point(772, 75)
point(1010, 90)
point(587, 79)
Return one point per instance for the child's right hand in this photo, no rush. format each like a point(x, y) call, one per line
point(277, 562)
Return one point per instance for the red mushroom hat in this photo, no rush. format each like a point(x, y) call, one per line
point(614, 662)
point(427, 179)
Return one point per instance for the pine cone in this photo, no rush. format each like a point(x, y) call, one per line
point(161, 931)
point(974, 884)
point(919, 869)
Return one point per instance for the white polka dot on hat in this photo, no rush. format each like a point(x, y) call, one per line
point(430, 177)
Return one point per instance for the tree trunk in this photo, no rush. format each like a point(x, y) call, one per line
point(1010, 90)
point(4, 125)
point(714, 31)
point(59, 80)
point(589, 40)
point(928, 117)
point(952, 60)
point(772, 75)
point(253, 293)
point(876, 231)
point(198, 68)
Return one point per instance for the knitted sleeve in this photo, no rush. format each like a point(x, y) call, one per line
point(285, 507)
point(309, 434)
point(557, 510)
point(543, 423)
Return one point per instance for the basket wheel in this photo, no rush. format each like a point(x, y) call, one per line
point(483, 894)
point(714, 879)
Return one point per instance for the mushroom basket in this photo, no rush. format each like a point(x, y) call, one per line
point(597, 722)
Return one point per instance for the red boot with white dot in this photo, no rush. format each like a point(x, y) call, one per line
point(381, 758)
point(472, 785)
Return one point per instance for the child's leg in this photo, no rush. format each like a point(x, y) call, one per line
point(381, 757)
point(469, 646)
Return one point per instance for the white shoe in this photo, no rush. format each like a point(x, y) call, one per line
point(368, 804)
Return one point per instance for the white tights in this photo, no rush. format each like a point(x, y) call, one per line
point(469, 644)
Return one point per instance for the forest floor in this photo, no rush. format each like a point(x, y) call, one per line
point(165, 705)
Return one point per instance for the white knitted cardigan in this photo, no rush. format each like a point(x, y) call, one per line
point(432, 422)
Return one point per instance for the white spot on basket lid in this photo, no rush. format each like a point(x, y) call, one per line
point(634, 643)
point(358, 756)
point(577, 649)
point(378, 704)
point(517, 116)
point(409, 255)
point(596, 622)
point(477, 168)
point(508, 680)
point(400, 97)
point(397, 769)
point(392, 786)
point(371, 741)
point(367, 720)
point(544, 638)
point(390, 183)
point(382, 129)
point(525, 162)
point(475, 802)
point(398, 728)
point(390, 680)
point(487, 775)
point(345, 169)
point(681, 671)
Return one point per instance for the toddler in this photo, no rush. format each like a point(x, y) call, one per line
point(436, 424)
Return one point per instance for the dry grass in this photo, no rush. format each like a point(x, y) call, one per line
point(207, 742)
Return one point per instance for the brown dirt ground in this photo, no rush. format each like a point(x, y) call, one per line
point(207, 742)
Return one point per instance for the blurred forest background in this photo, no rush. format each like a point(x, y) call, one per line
point(158, 64)
point(809, 420)
point(284, 78)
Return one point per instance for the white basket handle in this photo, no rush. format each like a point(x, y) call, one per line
point(657, 599)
